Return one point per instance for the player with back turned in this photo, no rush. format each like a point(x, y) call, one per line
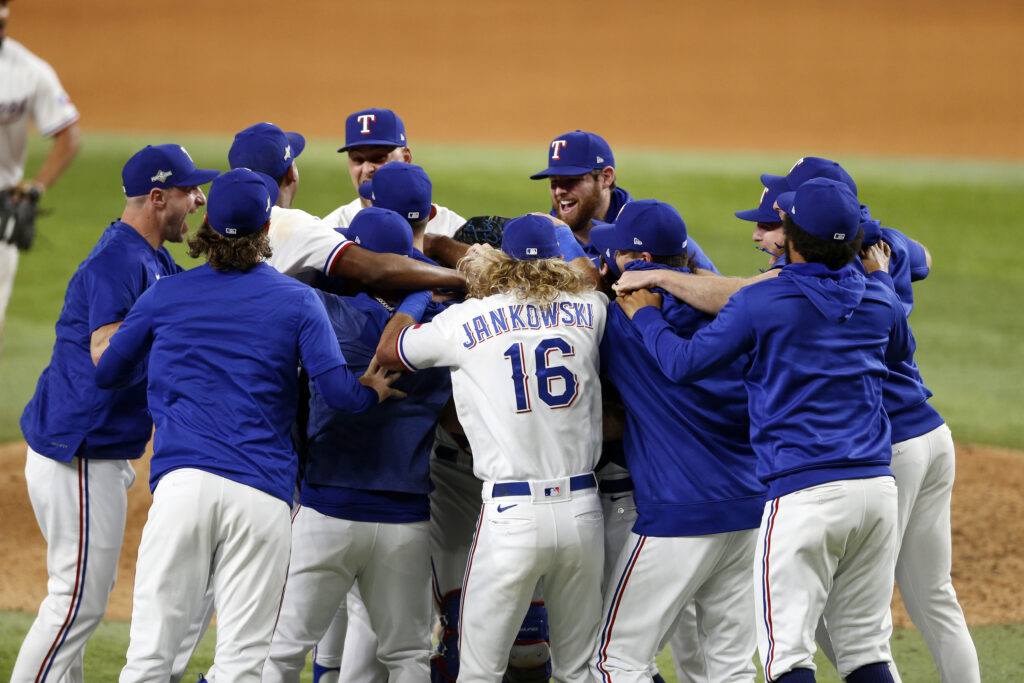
point(827, 540)
point(523, 356)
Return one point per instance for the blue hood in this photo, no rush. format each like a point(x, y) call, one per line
point(835, 293)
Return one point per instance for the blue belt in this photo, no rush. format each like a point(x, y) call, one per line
point(623, 485)
point(522, 488)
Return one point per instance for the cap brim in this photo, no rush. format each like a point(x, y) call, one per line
point(200, 176)
point(297, 142)
point(561, 170)
point(778, 183)
point(603, 236)
point(785, 200)
point(366, 190)
point(373, 143)
point(758, 215)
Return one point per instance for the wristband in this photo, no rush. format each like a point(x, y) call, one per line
point(414, 304)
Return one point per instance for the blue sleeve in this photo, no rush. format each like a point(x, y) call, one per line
point(112, 288)
point(901, 340)
point(130, 345)
point(343, 392)
point(884, 278)
point(318, 345)
point(711, 348)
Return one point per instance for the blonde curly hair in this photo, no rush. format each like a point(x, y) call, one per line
point(537, 280)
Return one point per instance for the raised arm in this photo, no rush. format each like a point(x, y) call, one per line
point(393, 272)
point(707, 292)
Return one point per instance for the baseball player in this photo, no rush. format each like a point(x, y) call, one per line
point(29, 90)
point(523, 357)
point(374, 137)
point(363, 499)
point(698, 501)
point(827, 540)
point(223, 341)
point(80, 438)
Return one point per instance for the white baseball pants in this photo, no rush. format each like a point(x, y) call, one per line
point(204, 528)
point(81, 508)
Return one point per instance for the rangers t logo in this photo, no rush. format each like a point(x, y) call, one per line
point(555, 147)
point(365, 120)
point(161, 176)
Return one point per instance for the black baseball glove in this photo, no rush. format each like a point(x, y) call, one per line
point(482, 230)
point(18, 217)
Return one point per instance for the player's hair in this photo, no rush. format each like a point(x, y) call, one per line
point(596, 173)
point(229, 253)
point(834, 255)
point(538, 280)
point(682, 260)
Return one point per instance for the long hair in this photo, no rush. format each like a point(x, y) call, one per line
point(229, 253)
point(538, 280)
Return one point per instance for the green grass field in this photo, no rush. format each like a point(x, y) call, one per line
point(998, 652)
point(968, 324)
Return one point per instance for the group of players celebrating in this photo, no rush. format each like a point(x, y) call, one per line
point(554, 444)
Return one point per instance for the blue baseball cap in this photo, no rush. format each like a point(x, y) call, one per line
point(642, 225)
point(240, 202)
point(530, 237)
point(374, 127)
point(811, 167)
point(765, 211)
point(265, 148)
point(575, 154)
point(380, 230)
point(162, 166)
point(825, 208)
point(401, 187)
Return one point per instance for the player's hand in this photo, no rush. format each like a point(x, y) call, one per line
point(632, 280)
point(380, 380)
point(876, 257)
point(634, 301)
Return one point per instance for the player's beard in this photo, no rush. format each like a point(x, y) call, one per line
point(586, 207)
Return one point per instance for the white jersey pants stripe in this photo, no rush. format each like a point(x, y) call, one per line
point(828, 550)
point(657, 578)
point(520, 541)
point(81, 507)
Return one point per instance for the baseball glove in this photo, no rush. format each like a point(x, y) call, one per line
point(482, 230)
point(18, 217)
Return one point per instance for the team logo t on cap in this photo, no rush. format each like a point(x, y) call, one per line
point(765, 211)
point(643, 225)
point(162, 166)
point(576, 153)
point(380, 230)
point(240, 202)
point(265, 148)
point(811, 167)
point(403, 188)
point(825, 208)
point(530, 237)
point(374, 127)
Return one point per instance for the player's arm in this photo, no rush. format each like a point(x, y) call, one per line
point(684, 360)
point(392, 271)
point(121, 355)
point(444, 249)
point(100, 340)
point(66, 143)
point(408, 313)
point(707, 292)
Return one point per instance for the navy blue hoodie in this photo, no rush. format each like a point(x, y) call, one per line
point(818, 342)
point(687, 445)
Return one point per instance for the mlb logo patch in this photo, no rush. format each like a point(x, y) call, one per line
point(553, 491)
point(839, 236)
point(414, 215)
point(531, 251)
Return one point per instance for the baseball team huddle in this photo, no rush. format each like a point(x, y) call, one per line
point(426, 448)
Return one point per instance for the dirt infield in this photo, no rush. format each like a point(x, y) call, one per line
point(915, 77)
point(988, 537)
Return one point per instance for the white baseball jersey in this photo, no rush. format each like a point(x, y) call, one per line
point(524, 378)
point(445, 221)
point(302, 243)
point(29, 89)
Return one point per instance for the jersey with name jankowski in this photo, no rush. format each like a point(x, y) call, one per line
point(69, 415)
point(224, 348)
point(524, 378)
